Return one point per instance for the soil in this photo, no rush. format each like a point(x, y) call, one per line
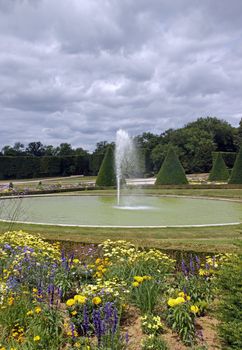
point(206, 326)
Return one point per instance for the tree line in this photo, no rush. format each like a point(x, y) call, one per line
point(195, 144)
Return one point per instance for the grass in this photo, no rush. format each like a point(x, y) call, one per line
point(200, 239)
point(32, 183)
point(213, 193)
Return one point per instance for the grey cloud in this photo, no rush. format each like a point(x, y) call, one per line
point(77, 71)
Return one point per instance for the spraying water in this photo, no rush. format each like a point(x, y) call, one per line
point(125, 158)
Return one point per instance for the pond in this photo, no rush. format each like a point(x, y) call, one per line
point(134, 211)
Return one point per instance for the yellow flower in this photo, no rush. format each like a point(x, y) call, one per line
point(98, 274)
point(70, 302)
point(147, 278)
point(180, 300)
point(74, 313)
point(135, 284)
point(138, 279)
point(96, 300)
point(172, 302)
point(187, 297)
point(37, 338)
point(29, 313)
point(35, 290)
point(38, 309)
point(3, 348)
point(194, 309)
point(76, 261)
point(10, 301)
point(80, 299)
point(181, 294)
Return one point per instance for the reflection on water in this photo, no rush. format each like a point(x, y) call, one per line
point(133, 211)
point(134, 207)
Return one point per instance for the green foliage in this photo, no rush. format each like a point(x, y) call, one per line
point(181, 320)
point(106, 175)
point(230, 291)
point(145, 294)
point(219, 170)
point(151, 324)
point(30, 166)
point(154, 343)
point(22, 320)
point(236, 175)
point(200, 288)
point(193, 143)
point(228, 157)
point(171, 172)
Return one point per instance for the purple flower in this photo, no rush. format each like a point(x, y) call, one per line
point(192, 268)
point(184, 268)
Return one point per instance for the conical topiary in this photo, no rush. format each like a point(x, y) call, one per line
point(171, 171)
point(236, 175)
point(106, 175)
point(219, 170)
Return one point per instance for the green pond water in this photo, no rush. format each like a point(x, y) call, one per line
point(134, 211)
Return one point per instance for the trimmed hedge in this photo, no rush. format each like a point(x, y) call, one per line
point(219, 170)
point(30, 167)
point(236, 175)
point(171, 171)
point(228, 157)
point(106, 175)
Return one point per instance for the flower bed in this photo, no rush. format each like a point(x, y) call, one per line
point(102, 299)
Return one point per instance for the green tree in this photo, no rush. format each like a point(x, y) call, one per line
point(219, 170)
point(106, 175)
point(35, 149)
point(65, 149)
point(171, 172)
point(50, 150)
point(145, 143)
point(236, 175)
point(238, 136)
point(80, 152)
point(221, 132)
point(16, 150)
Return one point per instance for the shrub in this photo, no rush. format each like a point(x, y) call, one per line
point(236, 175)
point(181, 316)
point(219, 170)
point(171, 171)
point(230, 285)
point(228, 157)
point(106, 175)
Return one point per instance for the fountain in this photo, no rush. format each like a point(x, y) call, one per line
point(125, 158)
point(126, 211)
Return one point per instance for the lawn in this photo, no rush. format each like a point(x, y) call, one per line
point(124, 294)
point(200, 239)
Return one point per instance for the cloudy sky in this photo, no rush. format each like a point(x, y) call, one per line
point(77, 70)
